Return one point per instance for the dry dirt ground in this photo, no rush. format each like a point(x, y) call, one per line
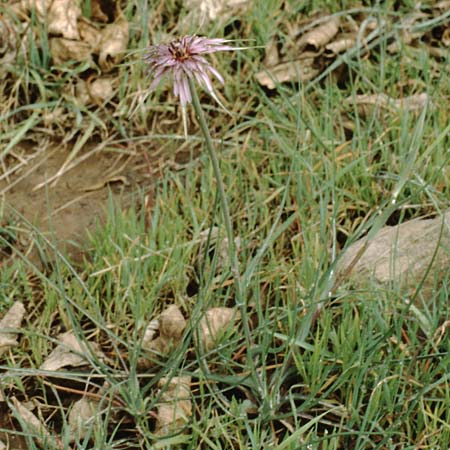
point(65, 207)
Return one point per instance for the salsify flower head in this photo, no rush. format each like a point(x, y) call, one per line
point(183, 59)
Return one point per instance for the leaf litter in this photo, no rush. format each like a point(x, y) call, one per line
point(33, 426)
point(70, 352)
point(9, 324)
point(317, 43)
point(175, 406)
point(202, 12)
point(215, 323)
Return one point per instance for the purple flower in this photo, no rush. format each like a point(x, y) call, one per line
point(183, 59)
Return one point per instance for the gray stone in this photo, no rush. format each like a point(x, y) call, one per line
point(402, 255)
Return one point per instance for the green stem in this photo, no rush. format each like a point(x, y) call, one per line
point(234, 263)
point(222, 195)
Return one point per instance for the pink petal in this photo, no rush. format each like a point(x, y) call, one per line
point(216, 74)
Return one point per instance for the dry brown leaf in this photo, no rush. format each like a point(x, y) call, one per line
point(438, 52)
point(406, 36)
point(175, 407)
point(69, 353)
point(211, 235)
point(295, 71)
point(97, 12)
point(26, 6)
point(321, 35)
point(62, 18)
point(214, 323)
point(59, 15)
point(150, 332)
point(208, 10)
point(12, 319)
point(105, 181)
point(58, 115)
point(82, 413)
point(271, 57)
point(34, 426)
point(443, 5)
point(63, 50)
point(101, 90)
point(113, 44)
point(89, 33)
point(172, 323)
point(9, 39)
point(415, 102)
point(161, 345)
point(340, 45)
point(367, 103)
point(79, 93)
point(446, 38)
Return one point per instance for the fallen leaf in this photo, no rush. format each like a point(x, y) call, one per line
point(62, 18)
point(113, 44)
point(89, 33)
point(32, 426)
point(105, 182)
point(70, 352)
point(271, 57)
point(9, 40)
point(320, 35)
point(81, 414)
point(150, 332)
point(209, 236)
point(49, 117)
point(101, 89)
point(295, 71)
point(97, 12)
point(161, 345)
point(64, 50)
point(12, 319)
point(415, 102)
point(214, 323)
point(437, 52)
point(406, 35)
point(175, 407)
point(367, 103)
point(172, 323)
point(208, 10)
point(443, 5)
point(79, 93)
point(446, 38)
point(26, 6)
point(340, 45)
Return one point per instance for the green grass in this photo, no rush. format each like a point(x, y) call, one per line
point(372, 372)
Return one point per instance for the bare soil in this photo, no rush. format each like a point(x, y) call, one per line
point(64, 208)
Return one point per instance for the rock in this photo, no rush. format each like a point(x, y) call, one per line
point(402, 255)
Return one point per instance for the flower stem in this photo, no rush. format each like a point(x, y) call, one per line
point(234, 263)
